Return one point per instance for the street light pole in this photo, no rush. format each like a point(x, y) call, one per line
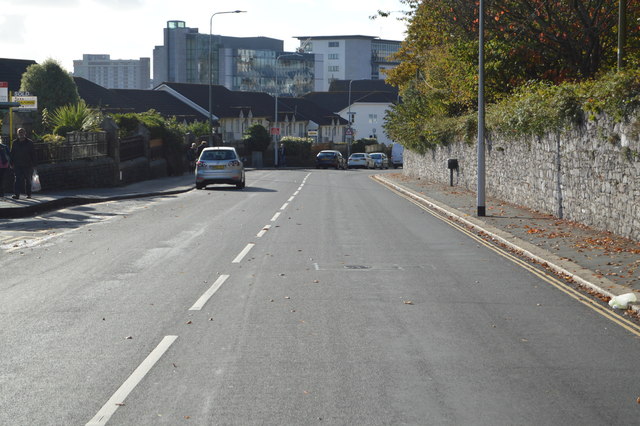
point(481, 159)
point(210, 73)
point(275, 117)
point(349, 127)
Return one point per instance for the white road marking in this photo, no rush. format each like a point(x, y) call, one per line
point(263, 231)
point(284, 206)
point(121, 394)
point(243, 253)
point(316, 266)
point(207, 294)
point(291, 198)
point(275, 217)
point(296, 193)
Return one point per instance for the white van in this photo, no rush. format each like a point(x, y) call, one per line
point(396, 155)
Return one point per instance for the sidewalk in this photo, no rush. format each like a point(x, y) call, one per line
point(52, 200)
point(600, 261)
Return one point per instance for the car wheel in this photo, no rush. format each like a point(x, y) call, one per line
point(240, 185)
point(199, 186)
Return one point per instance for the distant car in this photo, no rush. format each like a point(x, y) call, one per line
point(330, 158)
point(360, 159)
point(219, 165)
point(380, 160)
point(397, 151)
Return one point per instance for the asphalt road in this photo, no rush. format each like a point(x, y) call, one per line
point(310, 297)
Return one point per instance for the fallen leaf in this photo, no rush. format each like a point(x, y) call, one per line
point(128, 337)
point(189, 322)
point(408, 302)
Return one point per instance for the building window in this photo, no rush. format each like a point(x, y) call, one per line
point(333, 56)
point(334, 68)
point(334, 44)
point(373, 118)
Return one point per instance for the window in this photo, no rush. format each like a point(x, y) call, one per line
point(333, 56)
point(373, 118)
point(334, 68)
point(334, 44)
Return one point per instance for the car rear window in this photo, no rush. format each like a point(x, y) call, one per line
point(327, 154)
point(218, 155)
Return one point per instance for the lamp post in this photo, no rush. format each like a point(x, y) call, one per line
point(210, 73)
point(275, 117)
point(349, 117)
point(481, 157)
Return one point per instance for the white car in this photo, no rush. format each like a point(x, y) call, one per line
point(360, 159)
point(219, 165)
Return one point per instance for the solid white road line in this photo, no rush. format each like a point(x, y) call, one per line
point(263, 231)
point(275, 217)
point(207, 295)
point(243, 253)
point(121, 394)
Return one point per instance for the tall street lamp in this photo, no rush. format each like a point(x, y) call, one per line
point(276, 129)
point(481, 210)
point(210, 73)
point(349, 128)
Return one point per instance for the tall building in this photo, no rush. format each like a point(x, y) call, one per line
point(238, 63)
point(114, 73)
point(349, 57)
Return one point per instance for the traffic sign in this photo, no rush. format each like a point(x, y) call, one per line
point(275, 130)
point(348, 132)
point(312, 133)
point(27, 103)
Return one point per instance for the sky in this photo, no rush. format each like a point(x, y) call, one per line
point(64, 30)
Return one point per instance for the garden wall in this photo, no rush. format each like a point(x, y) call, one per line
point(589, 175)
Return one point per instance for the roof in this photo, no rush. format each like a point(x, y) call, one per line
point(135, 100)
point(362, 86)
point(305, 110)
point(11, 71)
point(336, 37)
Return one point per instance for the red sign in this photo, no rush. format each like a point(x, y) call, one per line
point(4, 84)
point(275, 130)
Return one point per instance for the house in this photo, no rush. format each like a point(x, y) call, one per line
point(365, 101)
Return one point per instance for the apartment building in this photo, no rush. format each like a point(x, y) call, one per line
point(114, 73)
point(349, 57)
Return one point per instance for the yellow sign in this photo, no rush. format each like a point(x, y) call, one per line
point(27, 103)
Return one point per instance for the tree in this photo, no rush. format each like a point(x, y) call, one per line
point(53, 86)
point(257, 138)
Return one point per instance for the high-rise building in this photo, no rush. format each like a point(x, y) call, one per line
point(114, 73)
point(237, 63)
point(349, 57)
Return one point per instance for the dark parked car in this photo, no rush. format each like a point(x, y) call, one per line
point(329, 158)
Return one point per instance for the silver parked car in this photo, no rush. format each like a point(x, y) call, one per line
point(219, 165)
point(380, 160)
point(360, 159)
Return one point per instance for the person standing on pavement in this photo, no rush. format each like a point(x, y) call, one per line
point(5, 159)
point(191, 156)
point(23, 160)
point(202, 146)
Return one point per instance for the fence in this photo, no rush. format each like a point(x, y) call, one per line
point(132, 148)
point(77, 147)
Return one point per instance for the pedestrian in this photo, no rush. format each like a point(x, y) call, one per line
point(202, 146)
point(5, 159)
point(283, 158)
point(191, 156)
point(23, 160)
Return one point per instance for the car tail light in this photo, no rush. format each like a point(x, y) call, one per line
point(234, 163)
point(201, 164)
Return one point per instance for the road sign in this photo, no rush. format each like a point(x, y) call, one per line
point(348, 132)
point(312, 133)
point(27, 103)
point(275, 130)
point(4, 91)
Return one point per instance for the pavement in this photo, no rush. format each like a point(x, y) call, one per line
point(604, 264)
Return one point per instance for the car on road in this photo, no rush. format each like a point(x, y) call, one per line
point(360, 160)
point(380, 160)
point(219, 164)
point(330, 158)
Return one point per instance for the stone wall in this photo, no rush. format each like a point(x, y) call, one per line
point(590, 175)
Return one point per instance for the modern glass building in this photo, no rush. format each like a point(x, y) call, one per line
point(237, 63)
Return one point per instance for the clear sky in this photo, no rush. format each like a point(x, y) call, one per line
point(129, 29)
